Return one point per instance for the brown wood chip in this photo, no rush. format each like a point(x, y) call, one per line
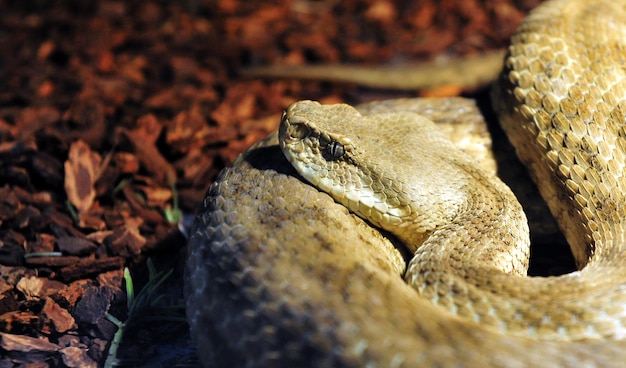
point(82, 169)
point(55, 318)
point(22, 343)
point(76, 246)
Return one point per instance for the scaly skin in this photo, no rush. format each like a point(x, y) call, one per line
point(279, 274)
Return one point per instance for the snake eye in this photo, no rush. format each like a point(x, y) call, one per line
point(335, 150)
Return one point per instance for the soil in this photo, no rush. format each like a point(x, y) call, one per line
point(116, 116)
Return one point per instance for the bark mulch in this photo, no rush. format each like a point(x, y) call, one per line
point(116, 116)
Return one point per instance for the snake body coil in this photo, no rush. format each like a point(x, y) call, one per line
point(280, 274)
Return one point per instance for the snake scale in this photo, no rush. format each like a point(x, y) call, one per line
point(279, 273)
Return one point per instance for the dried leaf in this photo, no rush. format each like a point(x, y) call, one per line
point(81, 172)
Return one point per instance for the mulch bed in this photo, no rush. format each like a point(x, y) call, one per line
point(116, 116)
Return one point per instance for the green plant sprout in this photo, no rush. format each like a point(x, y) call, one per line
point(72, 210)
point(147, 298)
point(173, 214)
point(42, 254)
point(120, 186)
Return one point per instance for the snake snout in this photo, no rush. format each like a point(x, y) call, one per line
point(291, 127)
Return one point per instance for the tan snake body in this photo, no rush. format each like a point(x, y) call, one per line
point(279, 274)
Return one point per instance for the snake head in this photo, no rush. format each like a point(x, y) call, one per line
point(312, 141)
point(309, 129)
point(339, 151)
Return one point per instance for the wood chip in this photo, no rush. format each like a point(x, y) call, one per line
point(126, 241)
point(82, 169)
point(52, 261)
point(148, 154)
point(76, 246)
point(38, 287)
point(93, 305)
point(18, 321)
point(74, 356)
point(55, 318)
point(25, 344)
point(86, 268)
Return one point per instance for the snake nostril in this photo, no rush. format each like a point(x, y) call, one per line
point(298, 131)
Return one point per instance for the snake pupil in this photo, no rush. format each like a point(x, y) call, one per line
point(335, 150)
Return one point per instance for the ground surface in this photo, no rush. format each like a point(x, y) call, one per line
point(116, 116)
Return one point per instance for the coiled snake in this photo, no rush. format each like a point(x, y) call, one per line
point(280, 274)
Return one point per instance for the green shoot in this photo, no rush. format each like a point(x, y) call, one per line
point(147, 298)
point(72, 210)
point(173, 214)
point(42, 254)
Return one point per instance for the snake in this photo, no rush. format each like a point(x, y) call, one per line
point(362, 236)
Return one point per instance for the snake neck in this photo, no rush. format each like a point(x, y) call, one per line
point(491, 230)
